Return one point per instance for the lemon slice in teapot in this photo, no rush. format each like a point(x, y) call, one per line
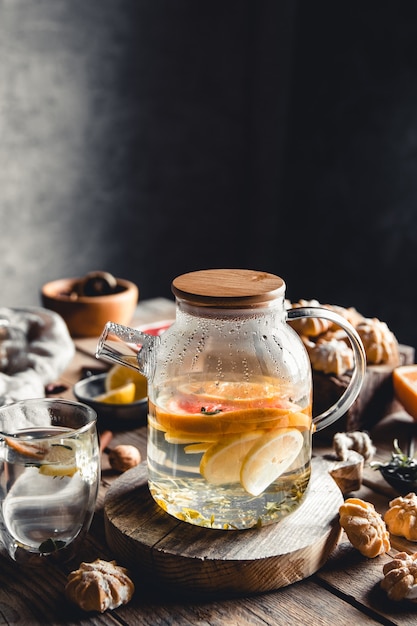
point(222, 461)
point(268, 458)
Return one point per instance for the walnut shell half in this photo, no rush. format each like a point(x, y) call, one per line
point(99, 586)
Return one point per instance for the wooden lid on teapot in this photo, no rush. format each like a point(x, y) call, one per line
point(228, 287)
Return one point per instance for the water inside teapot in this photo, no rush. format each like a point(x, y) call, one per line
point(243, 448)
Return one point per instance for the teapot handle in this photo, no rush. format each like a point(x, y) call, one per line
point(129, 347)
point(346, 400)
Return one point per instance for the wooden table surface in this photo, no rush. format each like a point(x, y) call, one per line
point(345, 591)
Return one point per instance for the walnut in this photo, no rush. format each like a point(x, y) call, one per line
point(123, 457)
point(400, 577)
point(401, 517)
point(379, 342)
point(99, 586)
point(364, 527)
point(356, 440)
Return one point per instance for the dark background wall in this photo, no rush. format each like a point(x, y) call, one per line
point(151, 137)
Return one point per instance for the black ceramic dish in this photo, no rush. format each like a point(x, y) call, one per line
point(112, 416)
point(401, 484)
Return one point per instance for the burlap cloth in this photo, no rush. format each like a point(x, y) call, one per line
point(48, 351)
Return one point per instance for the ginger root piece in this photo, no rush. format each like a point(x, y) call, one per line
point(358, 441)
point(364, 527)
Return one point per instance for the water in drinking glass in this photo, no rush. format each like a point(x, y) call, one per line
point(48, 482)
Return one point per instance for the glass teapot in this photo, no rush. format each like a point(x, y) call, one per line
point(230, 399)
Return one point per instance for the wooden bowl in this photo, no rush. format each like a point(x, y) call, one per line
point(86, 316)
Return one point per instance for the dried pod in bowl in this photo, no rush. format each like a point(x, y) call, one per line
point(99, 586)
point(97, 284)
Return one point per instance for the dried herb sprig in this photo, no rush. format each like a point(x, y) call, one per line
point(400, 464)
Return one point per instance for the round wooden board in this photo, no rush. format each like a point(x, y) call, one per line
point(164, 550)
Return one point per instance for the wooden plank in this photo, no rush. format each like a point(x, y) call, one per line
point(302, 604)
point(345, 590)
point(354, 577)
point(184, 556)
point(39, 599)
point(36, 596)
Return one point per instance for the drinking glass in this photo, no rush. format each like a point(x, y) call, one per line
point(49, 477)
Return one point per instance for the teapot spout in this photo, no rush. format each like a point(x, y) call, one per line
point(129, 347)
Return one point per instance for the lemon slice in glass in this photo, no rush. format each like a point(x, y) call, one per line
point(268, 458)
point(26, 448)
point(222, 462)
point(121, 395)
point(60, 460)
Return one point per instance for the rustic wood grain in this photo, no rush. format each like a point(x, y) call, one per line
point(345, 590)
point(205, 560)
point(306, 605)
point(228, 287)
point(348, 474)
point(358, 578)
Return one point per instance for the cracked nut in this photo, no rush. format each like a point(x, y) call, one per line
point(124, 457)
